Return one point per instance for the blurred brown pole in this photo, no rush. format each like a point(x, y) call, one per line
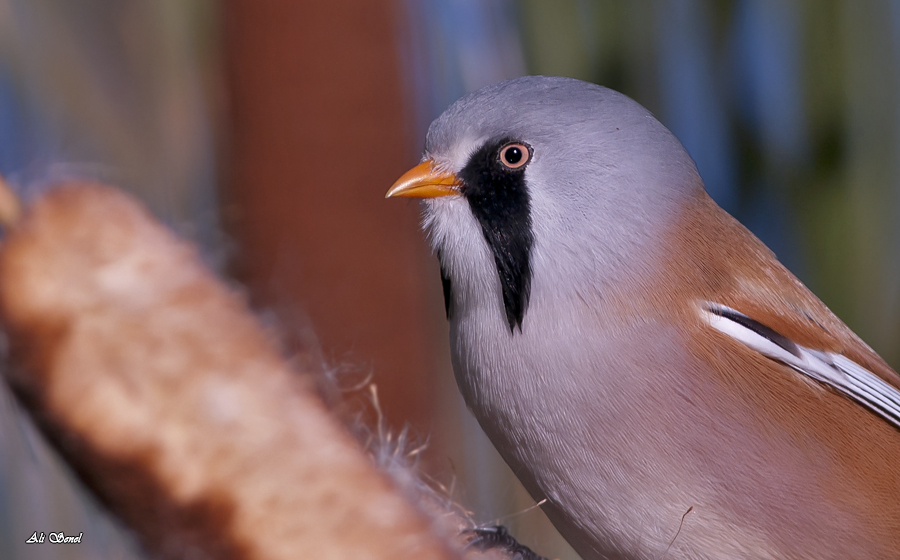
point(318, 133)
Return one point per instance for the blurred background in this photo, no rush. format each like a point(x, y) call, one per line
point(268, 133)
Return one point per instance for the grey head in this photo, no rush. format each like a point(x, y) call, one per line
point(560, 184)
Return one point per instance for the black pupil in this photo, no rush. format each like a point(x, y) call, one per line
point(513, 155)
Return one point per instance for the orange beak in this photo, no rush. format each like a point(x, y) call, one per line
point(424, 181)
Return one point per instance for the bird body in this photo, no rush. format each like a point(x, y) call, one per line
point(637, 356)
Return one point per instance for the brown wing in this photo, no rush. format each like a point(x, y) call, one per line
point(836, 486)
point(735, 269)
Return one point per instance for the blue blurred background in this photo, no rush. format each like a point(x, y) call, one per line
point(268, 133)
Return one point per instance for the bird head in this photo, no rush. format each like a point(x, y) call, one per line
point(541, 186)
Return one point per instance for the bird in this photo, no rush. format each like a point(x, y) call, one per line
point(645, 365)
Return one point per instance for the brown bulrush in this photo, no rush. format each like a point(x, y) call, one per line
point(159, 387)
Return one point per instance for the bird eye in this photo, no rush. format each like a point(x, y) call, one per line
point(514, 155)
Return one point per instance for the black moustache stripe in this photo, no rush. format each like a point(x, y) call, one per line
point(447, 286)
point(499, 200)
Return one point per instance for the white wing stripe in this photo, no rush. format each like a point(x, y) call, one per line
point(749, 337)
point(834, 370)
point(864, 375)
point(864, 380)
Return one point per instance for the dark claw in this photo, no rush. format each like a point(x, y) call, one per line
point(497, 536)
